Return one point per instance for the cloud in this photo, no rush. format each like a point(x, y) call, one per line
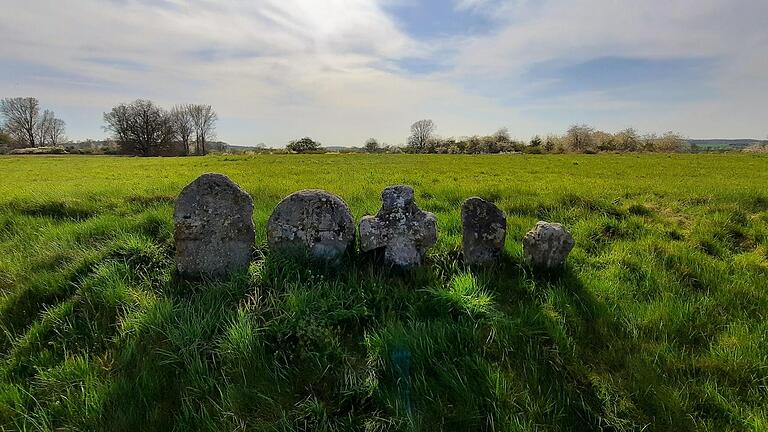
point(245, 57)
point(706, 49)
point(344, 70)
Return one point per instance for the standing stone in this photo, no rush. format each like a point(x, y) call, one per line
point(314, 223)
point(547, 245)
point(485, 228)
point(400, 227)
point(214, 227)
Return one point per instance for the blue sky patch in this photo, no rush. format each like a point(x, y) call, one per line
point(22, 72)
point(433, 19)
point(623, 74)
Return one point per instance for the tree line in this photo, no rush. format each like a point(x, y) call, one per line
point(140, 127)
point(25, 124)
point(146, 129)
point(577, 139)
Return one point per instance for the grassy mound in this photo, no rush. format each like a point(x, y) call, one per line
point(659, 322)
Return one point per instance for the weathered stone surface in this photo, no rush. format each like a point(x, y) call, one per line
point(214, 227)
point(485, 228)
point(403, 230)
point(314, 223)
point(547, 245)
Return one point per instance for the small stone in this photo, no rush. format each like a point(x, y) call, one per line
point(214, 227)
point(547, 245)
point(403, 230)
point(485, 228)
point(312, 223)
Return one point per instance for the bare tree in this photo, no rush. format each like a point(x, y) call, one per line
point(140, 127)
point(21, 116)
point(183, 125)
point(204, 119)
point(421, 133)
point(56, 132)
point(118, 121)
point(42, 126)
point(50, 130)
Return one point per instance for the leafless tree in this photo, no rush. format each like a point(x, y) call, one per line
point(204, 119)
point(50, 130)
point(183, 125)
point(21, 115)
point(43, 125)
point(421, 133)
point(140, 127)
point(56, 132)
point(118, 121)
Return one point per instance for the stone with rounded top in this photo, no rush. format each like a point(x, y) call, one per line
point(214, 232)
point(547, 245)
point(312, 223)
point(485, 229)
point(400, 228)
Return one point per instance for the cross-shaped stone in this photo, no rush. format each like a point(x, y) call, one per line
point(404, 231)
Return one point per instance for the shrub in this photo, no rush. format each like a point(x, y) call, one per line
point(372, 145)
point(580, 139)
point(758, 148)
point(533, 150)
point(303, 145)
point(39, 151)
point(550, 143)
point(627, 140)
point(670, 142)
point(5, 142)
point(604, 141)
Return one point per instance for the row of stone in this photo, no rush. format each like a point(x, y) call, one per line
point(214, 229)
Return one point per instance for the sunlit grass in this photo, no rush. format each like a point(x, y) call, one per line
point(659, 322)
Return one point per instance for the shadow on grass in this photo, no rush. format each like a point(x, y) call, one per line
point(293, 344)
point(620, 387)
point(57, 210)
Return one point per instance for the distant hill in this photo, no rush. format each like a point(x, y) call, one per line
point(723, 144)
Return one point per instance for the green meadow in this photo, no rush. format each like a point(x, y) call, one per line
point(659, 322)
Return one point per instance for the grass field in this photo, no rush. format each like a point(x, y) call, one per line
point(659, 322)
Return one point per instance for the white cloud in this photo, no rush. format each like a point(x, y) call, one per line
point(732, 33)
point(271, 56)
point(275, 69)
point(583, 29)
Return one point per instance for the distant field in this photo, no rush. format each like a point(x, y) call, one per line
point(660, 321)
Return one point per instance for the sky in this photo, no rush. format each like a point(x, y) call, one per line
point(342, 71)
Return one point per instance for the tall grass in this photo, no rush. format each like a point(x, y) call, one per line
point(659, 322)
